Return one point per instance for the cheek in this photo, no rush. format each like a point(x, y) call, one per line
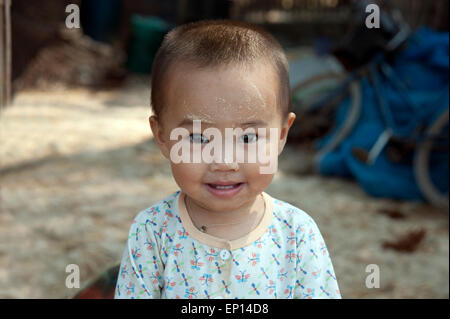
point(187, 174)
point(264, 180)
point(255, 179)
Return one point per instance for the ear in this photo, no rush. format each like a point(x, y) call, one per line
point(158, 135)
point(284, 131)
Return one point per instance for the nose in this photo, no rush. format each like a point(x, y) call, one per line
point(226, 161)
point(224, 166)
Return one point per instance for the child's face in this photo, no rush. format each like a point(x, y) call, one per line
point(221, 98)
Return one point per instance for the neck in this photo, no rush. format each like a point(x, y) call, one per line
point(242, 213)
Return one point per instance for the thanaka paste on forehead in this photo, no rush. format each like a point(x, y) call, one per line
point(201, 117)
point(246, 100)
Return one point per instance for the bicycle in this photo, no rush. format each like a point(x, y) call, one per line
point(321, 96)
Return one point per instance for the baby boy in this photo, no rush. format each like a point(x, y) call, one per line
point(220, 96)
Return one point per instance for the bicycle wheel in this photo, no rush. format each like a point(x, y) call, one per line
point(308, 93)
point(321, 95)
point(422, 163)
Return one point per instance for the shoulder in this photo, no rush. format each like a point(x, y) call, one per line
point(296, 223)
point(294, 215)
point(158, 214)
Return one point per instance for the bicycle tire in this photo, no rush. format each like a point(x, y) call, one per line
point(421, 164)
point(314, 80)
point(346, 127)
point(352, 117)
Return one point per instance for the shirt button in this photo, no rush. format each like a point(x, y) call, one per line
point(225, 254)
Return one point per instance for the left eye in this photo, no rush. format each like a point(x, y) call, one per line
point(249, 138)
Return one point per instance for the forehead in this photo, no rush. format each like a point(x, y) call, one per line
point(223, 95)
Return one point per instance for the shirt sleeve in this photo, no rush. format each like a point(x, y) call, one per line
point(315, 272)
point(141, 268)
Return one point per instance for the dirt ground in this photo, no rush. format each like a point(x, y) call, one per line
point(77, 166)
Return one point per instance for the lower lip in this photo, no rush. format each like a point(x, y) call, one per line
point(225, 193)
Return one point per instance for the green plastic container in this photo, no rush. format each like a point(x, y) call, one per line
point(147, 36)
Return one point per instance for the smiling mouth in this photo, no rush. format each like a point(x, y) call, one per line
point(224, 187)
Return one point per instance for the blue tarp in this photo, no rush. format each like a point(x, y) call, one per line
point(424, 66)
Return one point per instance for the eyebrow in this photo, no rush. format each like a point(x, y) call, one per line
point(188, 121)
point(254, 123)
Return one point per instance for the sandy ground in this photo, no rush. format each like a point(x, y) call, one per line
point(77, 166)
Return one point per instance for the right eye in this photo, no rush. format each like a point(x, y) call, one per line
point(198, 138)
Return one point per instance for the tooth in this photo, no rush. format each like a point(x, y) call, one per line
point(224, 186)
